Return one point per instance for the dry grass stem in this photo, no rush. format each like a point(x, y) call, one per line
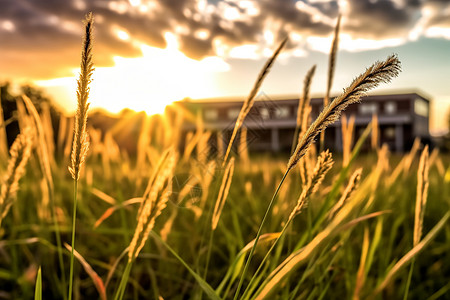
point(331, 69)
point(352, 185)
point(19, 153)
point(243, 147)
point(223, 193)
point(248, 103)
point(154, 201)
point(3, 136)
point(422, 195)
point(379, 72)
point(375, 135)
point(304, 101)
point(81, 139)
point(323, 165)
point(348, 127)
point(332, 61)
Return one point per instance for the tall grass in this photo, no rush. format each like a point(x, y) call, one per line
point(81, 139)
point(187, 227)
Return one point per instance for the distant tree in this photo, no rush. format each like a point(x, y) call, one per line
point(9, 104)
point(447, 136)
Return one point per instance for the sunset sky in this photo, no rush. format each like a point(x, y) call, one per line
point(149, 53)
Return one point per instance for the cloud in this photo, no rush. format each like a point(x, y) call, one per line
point(41, 38)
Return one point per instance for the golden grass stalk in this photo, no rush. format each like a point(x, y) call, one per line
point(243, 147)
point(81, 139)
point(331, 69)
point(332, 61)
point(19, 153)
point(203, 147)
point(206, 178)
point(48, 128)
point(350, 188)
point(404, 164)
point(80, 142)
point(306, 98)
point(3, 136)
point(375, 132)
point(248, 103)
point(323, 165)
point(44, 154)
point(68, 140)
point(347, 138)
point(142, 146)
point(153, 203)
point(62, 132)
point(223, 193)
point(410, 255)
point(220, 146)
point(303, 106)
point(361, 275)
point(421, 200)
point(377, 73)
point(421, 196)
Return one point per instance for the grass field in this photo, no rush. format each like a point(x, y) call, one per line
point(175, 222)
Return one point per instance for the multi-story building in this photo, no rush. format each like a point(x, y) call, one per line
point(271, 123)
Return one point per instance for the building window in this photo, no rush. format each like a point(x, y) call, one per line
point(390, 108)
point(233, 113)
point(211, 114)
point(368, 108)
point(264, 112)
point(421, 108)
point(282, 112)
point(389, 132)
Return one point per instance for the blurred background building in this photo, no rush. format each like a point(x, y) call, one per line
point(271, 123)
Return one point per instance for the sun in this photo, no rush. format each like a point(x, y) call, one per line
point(148, 83)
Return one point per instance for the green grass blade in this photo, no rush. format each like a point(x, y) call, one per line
point(38, 289)
point(203, 284)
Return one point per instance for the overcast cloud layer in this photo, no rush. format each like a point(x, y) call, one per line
point(41, 39)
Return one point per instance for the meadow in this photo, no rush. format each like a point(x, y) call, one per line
point(179, 220)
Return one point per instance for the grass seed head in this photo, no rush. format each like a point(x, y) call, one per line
point(377, 73)
point(19, 154)
point(81, 140)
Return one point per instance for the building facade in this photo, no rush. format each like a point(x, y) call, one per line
point(271, 123)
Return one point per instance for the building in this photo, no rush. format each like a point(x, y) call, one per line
point(271, 123)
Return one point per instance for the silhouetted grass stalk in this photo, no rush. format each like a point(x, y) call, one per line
point(331, 68)
point(248, 103)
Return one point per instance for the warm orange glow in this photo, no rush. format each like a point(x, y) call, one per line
point(146, 83)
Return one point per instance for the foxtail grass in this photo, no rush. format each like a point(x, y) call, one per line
point(331, 71)
point(218, 208)
point(348, 126)
point(248, 103)
point(19, 154)
point(44, 160)
point(81, 140)
point(323, 165)
point(303, 107)
point(375, 132)
point(421, 201)
point(154, 201)
point(3, 137)
point(374, 75)
point(351, 187)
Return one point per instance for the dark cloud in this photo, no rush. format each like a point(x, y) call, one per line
point(380, 19)
point(47, 33)
point(440, 13)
